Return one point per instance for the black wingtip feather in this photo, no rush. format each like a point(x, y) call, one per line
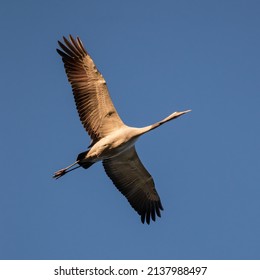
point(160, 206)
point(64, 56)
point(143, 218)
point(72, 48)
point(153, 212)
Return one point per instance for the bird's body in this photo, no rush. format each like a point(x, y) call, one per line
point(113, 142)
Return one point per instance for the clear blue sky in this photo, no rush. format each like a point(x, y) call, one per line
point(157, 57)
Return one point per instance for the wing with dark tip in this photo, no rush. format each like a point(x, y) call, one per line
point(96, 110)
point(135, 183)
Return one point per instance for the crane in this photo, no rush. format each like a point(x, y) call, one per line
point(112, 142)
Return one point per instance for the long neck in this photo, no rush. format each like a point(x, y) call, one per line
point(174, 115)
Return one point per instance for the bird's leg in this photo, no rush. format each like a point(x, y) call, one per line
point(65, 170)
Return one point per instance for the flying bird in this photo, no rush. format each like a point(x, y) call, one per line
point(112, 142)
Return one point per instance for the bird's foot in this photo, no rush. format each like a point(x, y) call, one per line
point(59, 173)
point(65, 170)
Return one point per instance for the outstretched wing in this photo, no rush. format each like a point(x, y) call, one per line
point(96, 110)
point(135, 183)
